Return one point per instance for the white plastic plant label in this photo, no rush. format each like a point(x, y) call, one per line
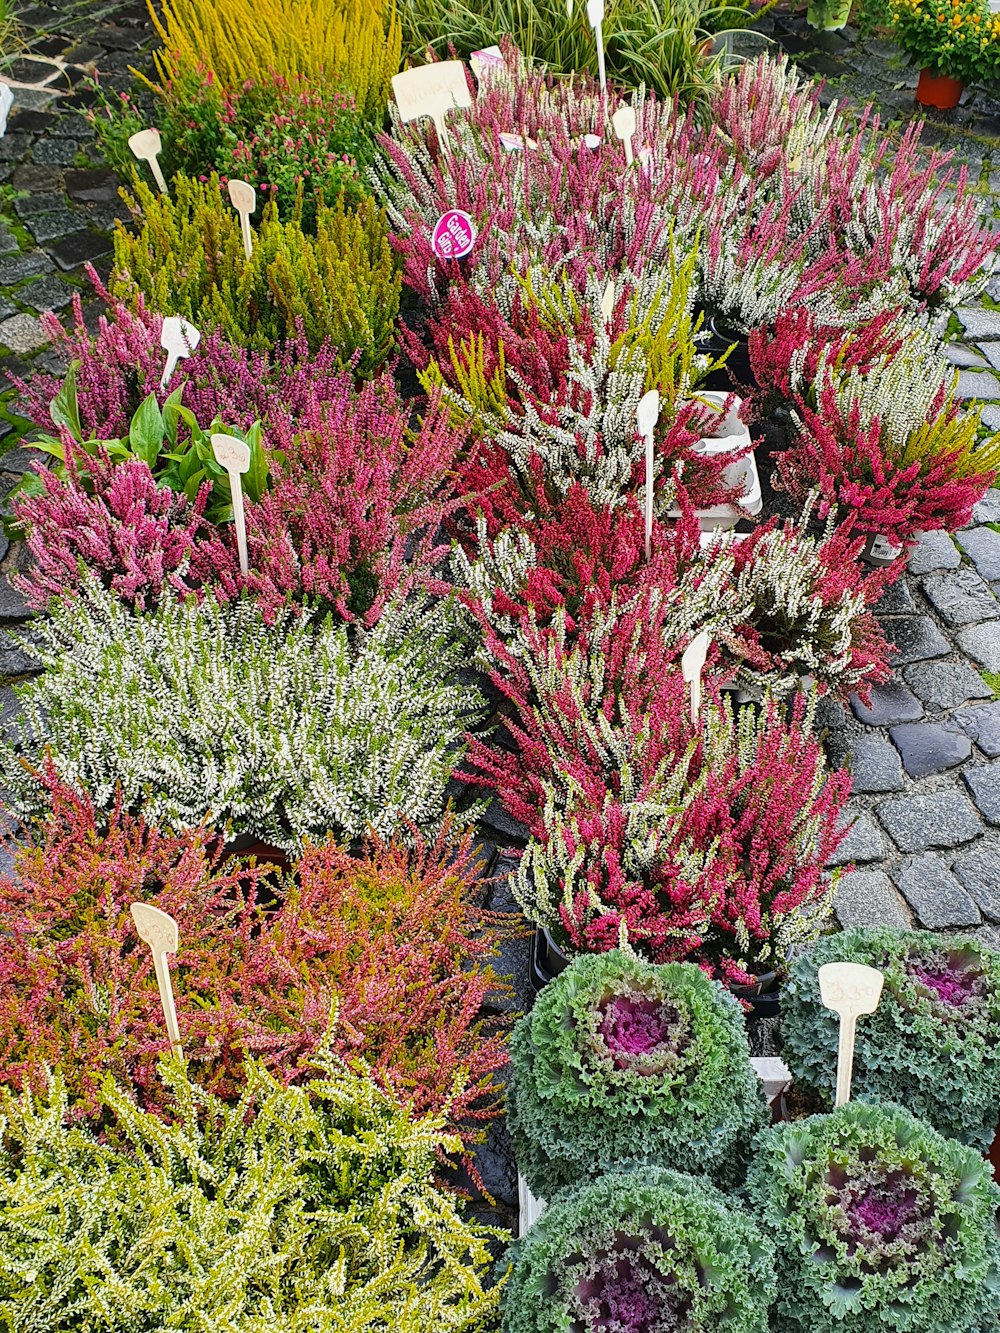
point(178, 339)
point(692, 665)
point(646, 417)
point(849, 990)
point(515, 143)
point(243, 198)
point(234, 455)
point(591, 141)
point(454, 235)
point(6, 102)
point(146, 147)
point(882, 549)
point(159, 931)
point(608, 301)
point(432, 90)
point(486, 62)
point(595, 17)
point(623, 122)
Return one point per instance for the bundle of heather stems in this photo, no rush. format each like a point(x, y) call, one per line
point(760, 261)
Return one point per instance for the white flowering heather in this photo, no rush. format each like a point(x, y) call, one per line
point(202, 711)
point(903, 392)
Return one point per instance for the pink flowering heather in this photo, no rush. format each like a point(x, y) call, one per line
point(137, 537)
point(355, 509)
point(930, 480)
point(122, 363)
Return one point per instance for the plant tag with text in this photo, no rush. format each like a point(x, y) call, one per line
point(432, 90)
point(454, 235)
point(849, 990)
point(515, 142)
point(243, 198)
point(608, 302)
point(647, 415)
point(486, 62)
point(159, 931)
point(178, 339)
point(234, 456)
point(692, 665)
point(624, 126)
point(146, 146)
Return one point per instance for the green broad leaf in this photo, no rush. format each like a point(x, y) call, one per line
point(54, 448)
point(193, 484)
point(147, 430)
point(64, 408)
point(171, 415)
point(255, 479)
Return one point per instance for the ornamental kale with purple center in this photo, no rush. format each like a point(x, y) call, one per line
point(623, 1060)
point(933, 1043)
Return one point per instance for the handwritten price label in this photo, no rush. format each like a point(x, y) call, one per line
point(454, 235)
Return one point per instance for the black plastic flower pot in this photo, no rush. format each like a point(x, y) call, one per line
point(545, 960)
point(762, 995)
point(737, 367)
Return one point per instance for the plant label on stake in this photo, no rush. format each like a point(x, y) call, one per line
point(146, 145)
point(454, 235)
point(595, 14)
point(234, 456)
point(608, 301)
point(646, 416)
point(177, 338)
point(849, 989)
point(488, 60)
point(624, 126)
point(243, 198)
point(159, 931)
point(432, 90)
point(692, 665)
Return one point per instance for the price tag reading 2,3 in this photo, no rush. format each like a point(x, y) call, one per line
point(454, 235)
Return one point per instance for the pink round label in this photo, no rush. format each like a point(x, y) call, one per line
point(454, 235)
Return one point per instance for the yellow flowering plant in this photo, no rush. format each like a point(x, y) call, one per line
point(957, 38)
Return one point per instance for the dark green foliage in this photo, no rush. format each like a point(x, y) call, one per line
point(644, 1251)
point(622, 1060)
point(933, 1044)
point(881, 1225)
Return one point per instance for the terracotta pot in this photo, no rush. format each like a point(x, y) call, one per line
point(938, 90)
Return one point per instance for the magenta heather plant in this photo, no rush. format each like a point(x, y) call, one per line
point(137, 537)
point(122, 363)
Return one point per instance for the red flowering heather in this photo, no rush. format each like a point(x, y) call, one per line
point(386, 951)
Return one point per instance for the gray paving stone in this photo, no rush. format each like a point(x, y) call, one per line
point(15, 268)
point(891, 702)
point(46, 294)
point(22, 333)
point(933, 819)
point(980, 323)
point(936, 896)
point(930, 747)
point(984, 784)
point(946, 684)
point(933, 550)
point(978, 872)
point(873, 763)
point(990, 350)
point(867, 898)
point(990, 417)
point(915, 638)
point(13, 607)
point(862, 843)
point(982, 723)
point(52, 226)
point(982, 643)
point(54, 152)
point(960, 355)
point(977, 384)
point(982, 545)
point(960, 597)
point(987, 510)
point(896, 600)
point(830, 714)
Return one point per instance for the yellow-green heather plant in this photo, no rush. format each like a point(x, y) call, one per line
point(185, 257)
point(354, 43)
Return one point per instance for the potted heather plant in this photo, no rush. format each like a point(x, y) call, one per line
point(620, 1060)
point(946, 40)
point(640, 1250)
point(880, 1225)
point(933, 1044)
point(828, 15)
